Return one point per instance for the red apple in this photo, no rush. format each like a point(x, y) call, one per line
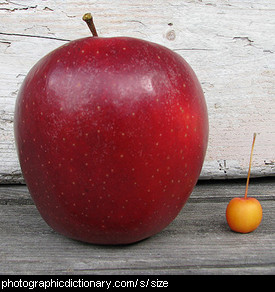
point(111, 135)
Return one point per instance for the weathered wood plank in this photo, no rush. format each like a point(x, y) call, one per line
point(198, 241)
point(230, 45)
point(217, 190)
point(192, 243)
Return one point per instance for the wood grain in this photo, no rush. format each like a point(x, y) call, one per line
point(198, 241)
point(229, 44)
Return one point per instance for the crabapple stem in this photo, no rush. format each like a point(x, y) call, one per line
point(250, 162)
point(87, 17)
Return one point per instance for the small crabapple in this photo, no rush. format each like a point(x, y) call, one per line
point(244, 215)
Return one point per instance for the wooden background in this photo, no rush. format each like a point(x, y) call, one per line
point(229, 43)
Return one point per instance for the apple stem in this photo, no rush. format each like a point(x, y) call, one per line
point(250, 162)
point(87, 17)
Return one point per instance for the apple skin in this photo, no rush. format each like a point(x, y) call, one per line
point(111, 135)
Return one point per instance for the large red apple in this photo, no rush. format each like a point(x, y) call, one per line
point(111, 135)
